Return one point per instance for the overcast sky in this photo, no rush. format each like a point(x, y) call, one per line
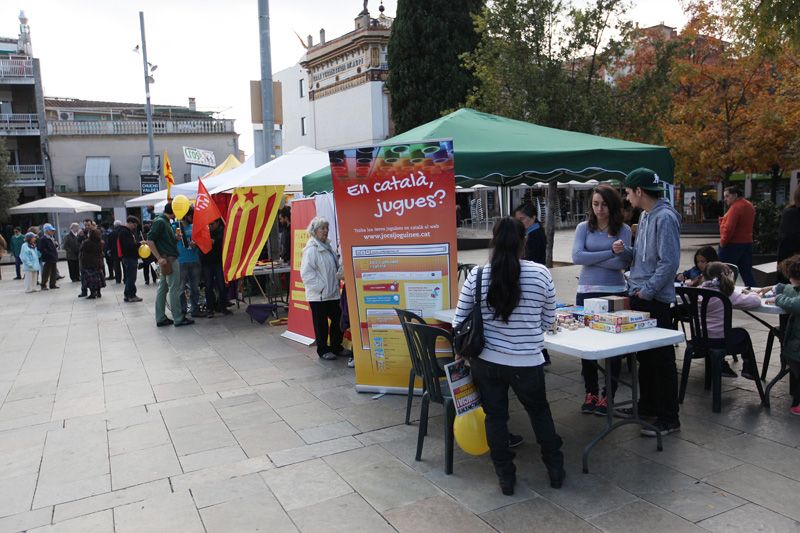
point(207, 49)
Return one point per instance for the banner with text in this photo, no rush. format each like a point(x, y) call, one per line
point(397, 227)
point(300, 327)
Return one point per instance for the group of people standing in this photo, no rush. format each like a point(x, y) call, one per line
point(182, 266)
point(518, 306)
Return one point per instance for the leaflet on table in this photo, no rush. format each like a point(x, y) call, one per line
point(465, 393)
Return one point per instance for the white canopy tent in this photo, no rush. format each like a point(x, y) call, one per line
point(55, 204)
point(190, 189)
point(287, 170)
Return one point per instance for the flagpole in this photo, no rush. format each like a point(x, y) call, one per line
point(147, 109)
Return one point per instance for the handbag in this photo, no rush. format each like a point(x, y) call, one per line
point(468, 339)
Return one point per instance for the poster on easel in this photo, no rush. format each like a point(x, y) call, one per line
point(397, 229)
point(300, 327)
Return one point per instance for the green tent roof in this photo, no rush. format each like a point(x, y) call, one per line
point(493, 150)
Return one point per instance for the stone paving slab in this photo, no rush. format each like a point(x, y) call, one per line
point(108, 423)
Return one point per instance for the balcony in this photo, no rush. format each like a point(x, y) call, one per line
point(18, 71)
point(28, 175)
point(139, 127)
point(112, 187)
point(19, 124)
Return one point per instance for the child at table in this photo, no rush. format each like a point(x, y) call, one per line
point(719, 276)
point(695, 275)
point(788, 298)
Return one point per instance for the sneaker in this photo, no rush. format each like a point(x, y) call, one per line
point(198, 314)
point(601, 408)
point(165, 322)
point(351, 363)
point(507, 484)
point(184, 322)
point(627, 412)
point(328, 356)
point(665, 428)
point(514, 440)
point(135, 299)
point(344, 352)
point(556, 476)
point(589, 404)
point(795, 410)
point(727, 371)
point(82, 295)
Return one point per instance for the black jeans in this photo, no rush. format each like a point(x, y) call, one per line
point(658, 375)
point(794, 381)
point(739, 341)
point(741, 255)
point(214, 279)
point(129, 267)
point(528, 384)
point(321, 313)
point(589, 366)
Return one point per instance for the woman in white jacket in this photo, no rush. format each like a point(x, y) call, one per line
point(320, 272)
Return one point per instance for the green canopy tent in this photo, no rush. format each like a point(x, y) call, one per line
point(497, 151)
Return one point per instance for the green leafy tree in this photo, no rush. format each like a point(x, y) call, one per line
point(426, 77)
point(8, 194)
point(543, 61)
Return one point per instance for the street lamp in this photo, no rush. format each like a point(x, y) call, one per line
point(148, 79)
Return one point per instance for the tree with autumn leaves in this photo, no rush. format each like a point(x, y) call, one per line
point(733, 107)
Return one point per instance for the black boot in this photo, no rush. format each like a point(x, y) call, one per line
point(507, 476)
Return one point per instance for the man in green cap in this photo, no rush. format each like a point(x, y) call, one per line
point(654, 259)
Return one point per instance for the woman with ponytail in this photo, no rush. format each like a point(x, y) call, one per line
point(518, 301)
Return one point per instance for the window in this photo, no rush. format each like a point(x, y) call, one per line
point(303, 126)
point(98, 170)
point(302, 88)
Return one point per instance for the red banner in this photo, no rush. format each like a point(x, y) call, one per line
point(396, 211)
point(300, 327)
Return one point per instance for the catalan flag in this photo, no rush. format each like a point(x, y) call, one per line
point(250, 217)
point(168, 176)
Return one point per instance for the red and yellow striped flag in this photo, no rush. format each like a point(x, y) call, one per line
point(250, 217)
point(169, 178)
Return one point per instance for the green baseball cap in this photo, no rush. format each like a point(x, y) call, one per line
point(644, 178)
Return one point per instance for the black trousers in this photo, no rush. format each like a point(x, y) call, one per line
point(214, 279)
point(321, 313)
point(589, 366)
point(48, 274)
point(527, 382)
point(116, 262)
point(110, 265)
point(74, 270)
point(129, 266)
point(658, 375)
point(794, 381)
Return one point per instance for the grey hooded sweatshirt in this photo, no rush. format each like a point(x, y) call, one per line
point(656, 254)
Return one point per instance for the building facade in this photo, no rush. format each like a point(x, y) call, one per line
point(22, 117)
point(99, 150)
point(336, 95)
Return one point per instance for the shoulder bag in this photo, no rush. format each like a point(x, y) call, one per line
point(468, 339)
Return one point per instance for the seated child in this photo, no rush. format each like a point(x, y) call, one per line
point(720, 277)
point(787, 297)
point(694, 276)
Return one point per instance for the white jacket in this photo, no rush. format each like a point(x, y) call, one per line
point(319, 271)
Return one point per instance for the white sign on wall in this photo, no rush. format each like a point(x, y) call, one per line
point(197, 156)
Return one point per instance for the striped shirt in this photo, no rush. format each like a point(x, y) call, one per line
point(520, 341)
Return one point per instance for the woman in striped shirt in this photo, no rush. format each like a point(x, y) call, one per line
point(518, 301)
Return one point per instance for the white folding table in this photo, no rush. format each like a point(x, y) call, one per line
point(596, 345)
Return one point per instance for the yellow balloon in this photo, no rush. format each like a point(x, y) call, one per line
point(180, 206)
point(470, 432)
point(144, 251)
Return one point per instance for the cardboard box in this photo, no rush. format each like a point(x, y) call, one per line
point(617, 303)
point(622, 328)
point(596, 305)
point(618, 318)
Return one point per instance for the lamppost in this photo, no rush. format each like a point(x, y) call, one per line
point(148, 79)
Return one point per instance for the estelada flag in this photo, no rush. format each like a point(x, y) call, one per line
point(168, 177)
point(250, 217)
point(205, 212)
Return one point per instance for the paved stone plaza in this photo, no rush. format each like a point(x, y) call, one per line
point(110, 424)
